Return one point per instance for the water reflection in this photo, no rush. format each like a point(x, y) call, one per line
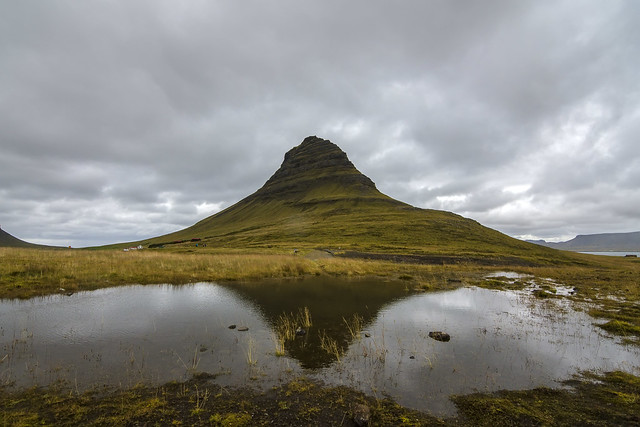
point(330, 302)
point(154, 334)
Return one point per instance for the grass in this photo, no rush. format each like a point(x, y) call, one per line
point(609, 399)
point(29, 272)
point(330, 346)
point(26, 273)
point(612, 398)
point(199, 402)
point(318, 199)
point(610, 284)
point(354, 326)
point(287, 324)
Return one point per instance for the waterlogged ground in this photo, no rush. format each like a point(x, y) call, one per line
point(369, 335)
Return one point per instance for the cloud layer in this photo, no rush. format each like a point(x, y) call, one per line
point(125, 120)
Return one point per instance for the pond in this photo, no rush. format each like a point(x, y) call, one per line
point(365, 334)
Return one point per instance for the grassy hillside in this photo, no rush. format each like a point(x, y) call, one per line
point(318, 199)
point(9, 241)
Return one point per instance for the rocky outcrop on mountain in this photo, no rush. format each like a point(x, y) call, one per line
point(312, 164)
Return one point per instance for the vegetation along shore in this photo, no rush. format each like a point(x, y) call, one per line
point(608, 286)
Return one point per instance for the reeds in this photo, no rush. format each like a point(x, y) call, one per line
point(354, 326)
point(289, 325)
point(330, 345)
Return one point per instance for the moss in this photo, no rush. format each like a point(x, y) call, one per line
point(620, 327)
point(590, 399)
point(542, 294)
point(610, 399)
point(300, 402)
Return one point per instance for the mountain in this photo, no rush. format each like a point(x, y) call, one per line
point(7, 240)
point(598, 242)
point(318, 199)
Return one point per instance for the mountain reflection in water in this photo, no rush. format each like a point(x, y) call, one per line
point(332, 303)
point(154, 334)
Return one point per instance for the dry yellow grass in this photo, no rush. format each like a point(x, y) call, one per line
point(29, 272)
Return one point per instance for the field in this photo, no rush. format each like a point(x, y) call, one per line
point(610, 286)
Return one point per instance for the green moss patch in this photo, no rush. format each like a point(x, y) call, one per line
point(610, 399)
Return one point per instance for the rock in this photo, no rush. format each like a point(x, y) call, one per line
point(361, 415)
point(440, 336)
point(301, 332)
point(243, 329)
point(232, 326)
point(367, 335)
point(314, 162)
point(412, 357)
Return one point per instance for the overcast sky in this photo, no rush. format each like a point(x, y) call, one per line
point(121, 120)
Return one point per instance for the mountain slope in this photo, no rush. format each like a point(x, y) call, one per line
point(9, 241)
point(318, 199)
point(598, 242)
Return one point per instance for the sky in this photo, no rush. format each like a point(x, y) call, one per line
point(122, 120)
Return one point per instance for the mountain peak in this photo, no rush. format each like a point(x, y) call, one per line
point(316, 162)
point(318, 199)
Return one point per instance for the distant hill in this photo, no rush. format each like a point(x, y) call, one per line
point(318, 199)
point(598, 242)
point(7, 240)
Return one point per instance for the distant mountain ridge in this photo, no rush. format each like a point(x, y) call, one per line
point(604, 242)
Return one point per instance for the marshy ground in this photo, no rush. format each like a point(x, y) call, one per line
point(607, 289)
point(608, 399)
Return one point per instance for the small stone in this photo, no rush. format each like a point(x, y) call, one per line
point(440, 336)
point(361, 415)
point(232, 326)
point(367, 335)
point(243, 329)
point(412, 357)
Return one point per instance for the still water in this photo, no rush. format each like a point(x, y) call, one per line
point(612, 253)
point(154, 334)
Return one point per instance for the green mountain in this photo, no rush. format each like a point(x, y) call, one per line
point(318, 199)
point(9, 241)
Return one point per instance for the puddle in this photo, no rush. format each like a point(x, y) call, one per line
point(509, 275)
point(154, 334)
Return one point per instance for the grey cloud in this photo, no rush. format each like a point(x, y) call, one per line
point(107, 109)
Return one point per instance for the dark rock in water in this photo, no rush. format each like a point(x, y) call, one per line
point(440, 336)
point(412, 357)
point(361, 415)
point(243, 329)
point(301, 332)
point(367, 335)
point(232, 326)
